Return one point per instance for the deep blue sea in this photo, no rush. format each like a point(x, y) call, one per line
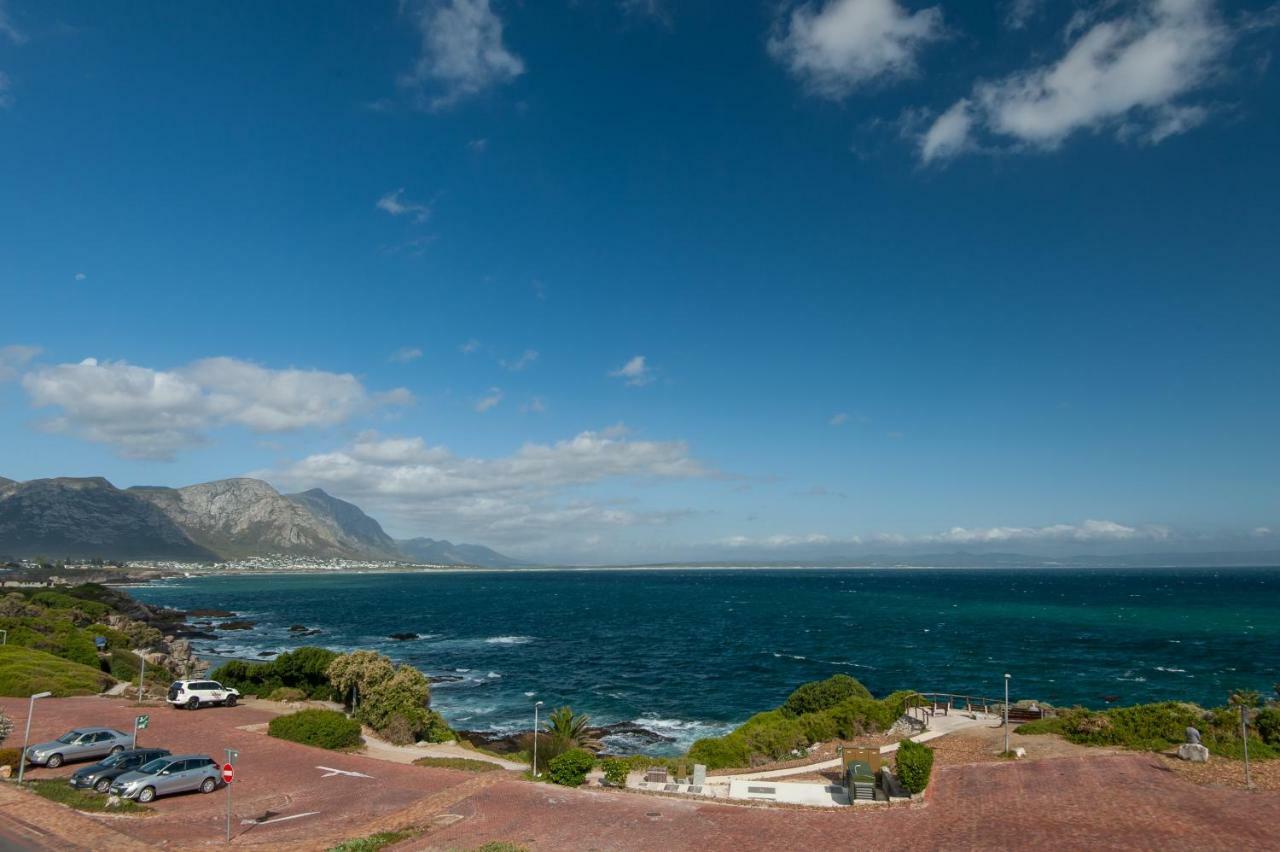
point(691, 652)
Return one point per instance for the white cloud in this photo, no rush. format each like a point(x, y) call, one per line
point(840, 45)
point(489, 401)
point(463, 53)
point(13, 358)
point(517, 364)
point(397, 205)
point(1019, 13)
point(405, 354)
point(7, 27)
point(511, 498)
point(1083, 533)
point(6, 99)
point(80, 276)
point(148, 413)
point(636, 372)
point(478, 146)
point(1262, 532)
point(838, 419)
point(469, 347)
point(536, 405)
point(1129, 73)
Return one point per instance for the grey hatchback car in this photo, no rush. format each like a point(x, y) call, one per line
point(177, 773)
point(99, 776)
point(79, 744)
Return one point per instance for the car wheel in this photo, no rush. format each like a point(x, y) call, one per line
point(103, 786)
point(147, 794)
point(117, 749)
point(208, 785)
point(193, 703)
point(231, 701)
point(54, 761)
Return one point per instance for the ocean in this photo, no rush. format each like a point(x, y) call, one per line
point(692, 652)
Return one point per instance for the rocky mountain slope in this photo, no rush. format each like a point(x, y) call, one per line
point(87, 518)
point(226, 519)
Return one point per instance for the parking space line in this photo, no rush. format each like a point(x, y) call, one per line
point(278, 819)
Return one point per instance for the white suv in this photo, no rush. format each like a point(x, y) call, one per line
point(193, 694)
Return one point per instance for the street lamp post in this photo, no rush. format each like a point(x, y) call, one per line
point(1006, 713)
point(1244, 736)
point(536, 705)
point(31, 709)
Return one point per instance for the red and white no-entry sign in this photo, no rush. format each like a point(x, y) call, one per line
point(228, 773)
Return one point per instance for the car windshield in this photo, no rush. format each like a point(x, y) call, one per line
point(116, 759)
point(154, 766)
point(69, 737)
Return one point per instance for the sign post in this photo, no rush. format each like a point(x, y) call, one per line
point(139, 724)
point(142, 678)
point(228, 775)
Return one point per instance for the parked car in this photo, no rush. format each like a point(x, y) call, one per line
point(79, 744)
point(177, 773)
point(194, 694)
point(100, 775)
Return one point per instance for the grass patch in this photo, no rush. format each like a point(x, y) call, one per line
point(373, 842)
point(499, 846)
point(26, 671)
point(465, 764)
point(57, 790)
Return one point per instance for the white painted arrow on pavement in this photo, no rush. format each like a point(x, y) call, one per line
point(332, 772)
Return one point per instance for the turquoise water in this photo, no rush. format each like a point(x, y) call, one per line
point(692, 652)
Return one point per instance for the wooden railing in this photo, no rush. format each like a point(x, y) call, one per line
point(942, 703)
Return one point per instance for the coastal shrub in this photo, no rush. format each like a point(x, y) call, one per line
point(58, 600)
point(358, 672)
point(9, 757)
point(287, 693)
point(6, 726)
point(1267, 723)
point(26, 671)
point(824, 694)
point(615, 772)
point(304, 669)
point(465, 764)
point(125, 665)
point(720, 752)
point(372, 842)
point(915, 763)
point(570, 769)
point(549, 748)
point(398, 707)
point(323, 728)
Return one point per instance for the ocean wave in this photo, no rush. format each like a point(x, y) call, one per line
point(1170, 669)
point(509, 640)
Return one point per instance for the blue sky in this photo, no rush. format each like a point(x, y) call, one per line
point(597, 280)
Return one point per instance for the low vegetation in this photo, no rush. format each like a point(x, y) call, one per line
point(1162, 726)
point(304, 672)
point(373, 842)
point(839, 707)
point(463, 763)
point(915, 764)
point(57, 790)
point(26, 671)
point(393, 700)
point(322, 728)
point(570, 768)
point(615, 772)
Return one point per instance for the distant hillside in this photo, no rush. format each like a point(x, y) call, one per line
point(87, 518)
point(431, 552)
point(348, 522)
point(225, 519)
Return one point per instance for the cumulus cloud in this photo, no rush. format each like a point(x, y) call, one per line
point(1019, 13)
point(511, 498)
point(8, 28)
point(636, 372)
point(1086, 532)
point(148, 413)
point(471, 346)
point(397, 205)
point(405, 354)
point(838, 46)
point(535, 405)
point(13, 358)
point(1129, 72)
point(462, 52)
point(489, 400)
point(838, 419)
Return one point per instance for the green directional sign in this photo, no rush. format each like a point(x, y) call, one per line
point(142, 722)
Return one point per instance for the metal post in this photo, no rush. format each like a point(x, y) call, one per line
point(536, 705)
point(1006, 714)
point(232, 754)
point(26, 737)
point(142, 678)
point(1244, 735)
point(4, 637)
point(135, 732)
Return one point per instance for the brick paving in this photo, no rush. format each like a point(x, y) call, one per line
point(1125, 801)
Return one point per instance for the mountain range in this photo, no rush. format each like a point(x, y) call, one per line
point(69, 517)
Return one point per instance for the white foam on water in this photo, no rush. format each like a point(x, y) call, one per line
point(509, 640)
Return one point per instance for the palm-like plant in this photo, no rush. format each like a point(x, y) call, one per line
point(1245, 698)
point(570, 729)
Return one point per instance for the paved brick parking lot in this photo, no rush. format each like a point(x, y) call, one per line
point(1126, 801)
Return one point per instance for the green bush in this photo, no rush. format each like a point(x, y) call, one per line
point(463, 763)
point(372, 842)
point(304, 669)
point(57, 600)
point(915, 763)
point(26, 671)
point(9, 757)
point(125, 665)
point(615, 772)
point(323, 728)
point(570, 769)
point(824, 694)
point(287, 693)
point(1267, 723)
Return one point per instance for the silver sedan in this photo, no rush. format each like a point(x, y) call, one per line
point(80, 744)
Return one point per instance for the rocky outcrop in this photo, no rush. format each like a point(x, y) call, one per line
point(87, 518)
point(349, 525)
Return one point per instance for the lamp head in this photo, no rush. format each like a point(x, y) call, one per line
point(41, 695)
point(1007, 676)
point(537, 704)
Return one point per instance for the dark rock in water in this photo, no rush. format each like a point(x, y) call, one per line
point(403, 637)
point(303, 630)
point(210, 613)
point(632, 731)
point(266, 653)
point(512, 743)
point(445, 678)
point(236, 625)
point(192, 633)
point(297, 628)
